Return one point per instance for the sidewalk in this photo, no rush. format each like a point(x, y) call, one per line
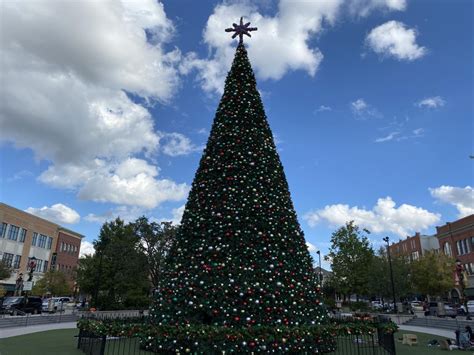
point(434, 331)
point(11, 332)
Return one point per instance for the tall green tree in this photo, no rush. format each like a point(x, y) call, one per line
point(432, 274)
point(240, 257)
point(117, 274)
point(380, 283)
point(5, 271)
point(53, 282)
point(351, 256)
point(155, 242)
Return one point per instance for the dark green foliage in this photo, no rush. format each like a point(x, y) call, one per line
point(379, 283)
point(117, 273)
point(432, 274)
point(155, 242)
point(351, 257)
point(240, 258)
point(5, 271)
point(53, 282)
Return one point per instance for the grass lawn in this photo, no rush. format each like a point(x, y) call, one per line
point(63, 342)
point(422, 348)
point(51, 342)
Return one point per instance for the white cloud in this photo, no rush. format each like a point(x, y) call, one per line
point(387, 138)
point(323, 108)
point(460, 197)
point(418, 132)
point(19, 175)
point(176, 216)
point(57, 213)
point(394, 39)
point(64, 97)
point(125, 213)
point(280, 44)
point(311, 247)
point(431, 102)
point(175, 144)
point(383, 217)
point(365, 7)
point(130, 182)
point(87, 248)
point(399, 136)
point(359, 105)
point(362, 109)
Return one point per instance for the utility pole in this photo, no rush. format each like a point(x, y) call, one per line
point(386, 240)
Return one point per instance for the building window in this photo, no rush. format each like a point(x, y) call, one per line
point(447, 249)
point(8, 259)
point(42, 241)
point(16, 262)
point(13, 232)
point(22, 235)
point(412, 242)
point(35, 239)
point(463, 247)
point(39, 265)
point(45, 266)
point(49, 243)
point(3, 230)
point(415, 255)
point(62, 246)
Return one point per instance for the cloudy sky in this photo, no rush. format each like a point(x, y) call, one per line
point(105, 107)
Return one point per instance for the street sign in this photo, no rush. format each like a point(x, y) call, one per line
point(27, 285)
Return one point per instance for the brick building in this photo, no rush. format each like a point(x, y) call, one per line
point(415, 246)
point(456, 239)
point(23, 236)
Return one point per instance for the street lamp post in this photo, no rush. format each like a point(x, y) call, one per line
point(461, 279)
point(32, 267)
point(320, 274)
point(19, 285)
point(386, 240)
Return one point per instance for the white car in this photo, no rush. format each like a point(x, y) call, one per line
point(377, 305)
point(470, 306)
point(417, 306)
point(55, 304)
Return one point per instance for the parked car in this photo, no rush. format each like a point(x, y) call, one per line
point(470, 307)
point(377, 305)
point(450, 311)
point(55, 304)
point(441, 309)
point(416, 306)
point(20, 305)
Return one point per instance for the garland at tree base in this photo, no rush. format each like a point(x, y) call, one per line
point(207, 339)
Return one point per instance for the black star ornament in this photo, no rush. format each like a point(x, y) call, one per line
point(241, 30)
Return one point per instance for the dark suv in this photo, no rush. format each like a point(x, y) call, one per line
point(20, 305)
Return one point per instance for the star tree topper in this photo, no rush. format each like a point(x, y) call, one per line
point(241, 30)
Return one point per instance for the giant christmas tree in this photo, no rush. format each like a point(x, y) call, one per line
point(240, 259)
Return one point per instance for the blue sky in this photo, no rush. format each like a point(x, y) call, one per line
point(106, 108)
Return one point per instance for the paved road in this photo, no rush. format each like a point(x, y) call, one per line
point(11, 332)
point(434, 331)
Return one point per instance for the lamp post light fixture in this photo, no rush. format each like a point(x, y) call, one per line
point(386, 240)
point(19, 284)
point(320, 273)
point(462, 279)
point(32, 268)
